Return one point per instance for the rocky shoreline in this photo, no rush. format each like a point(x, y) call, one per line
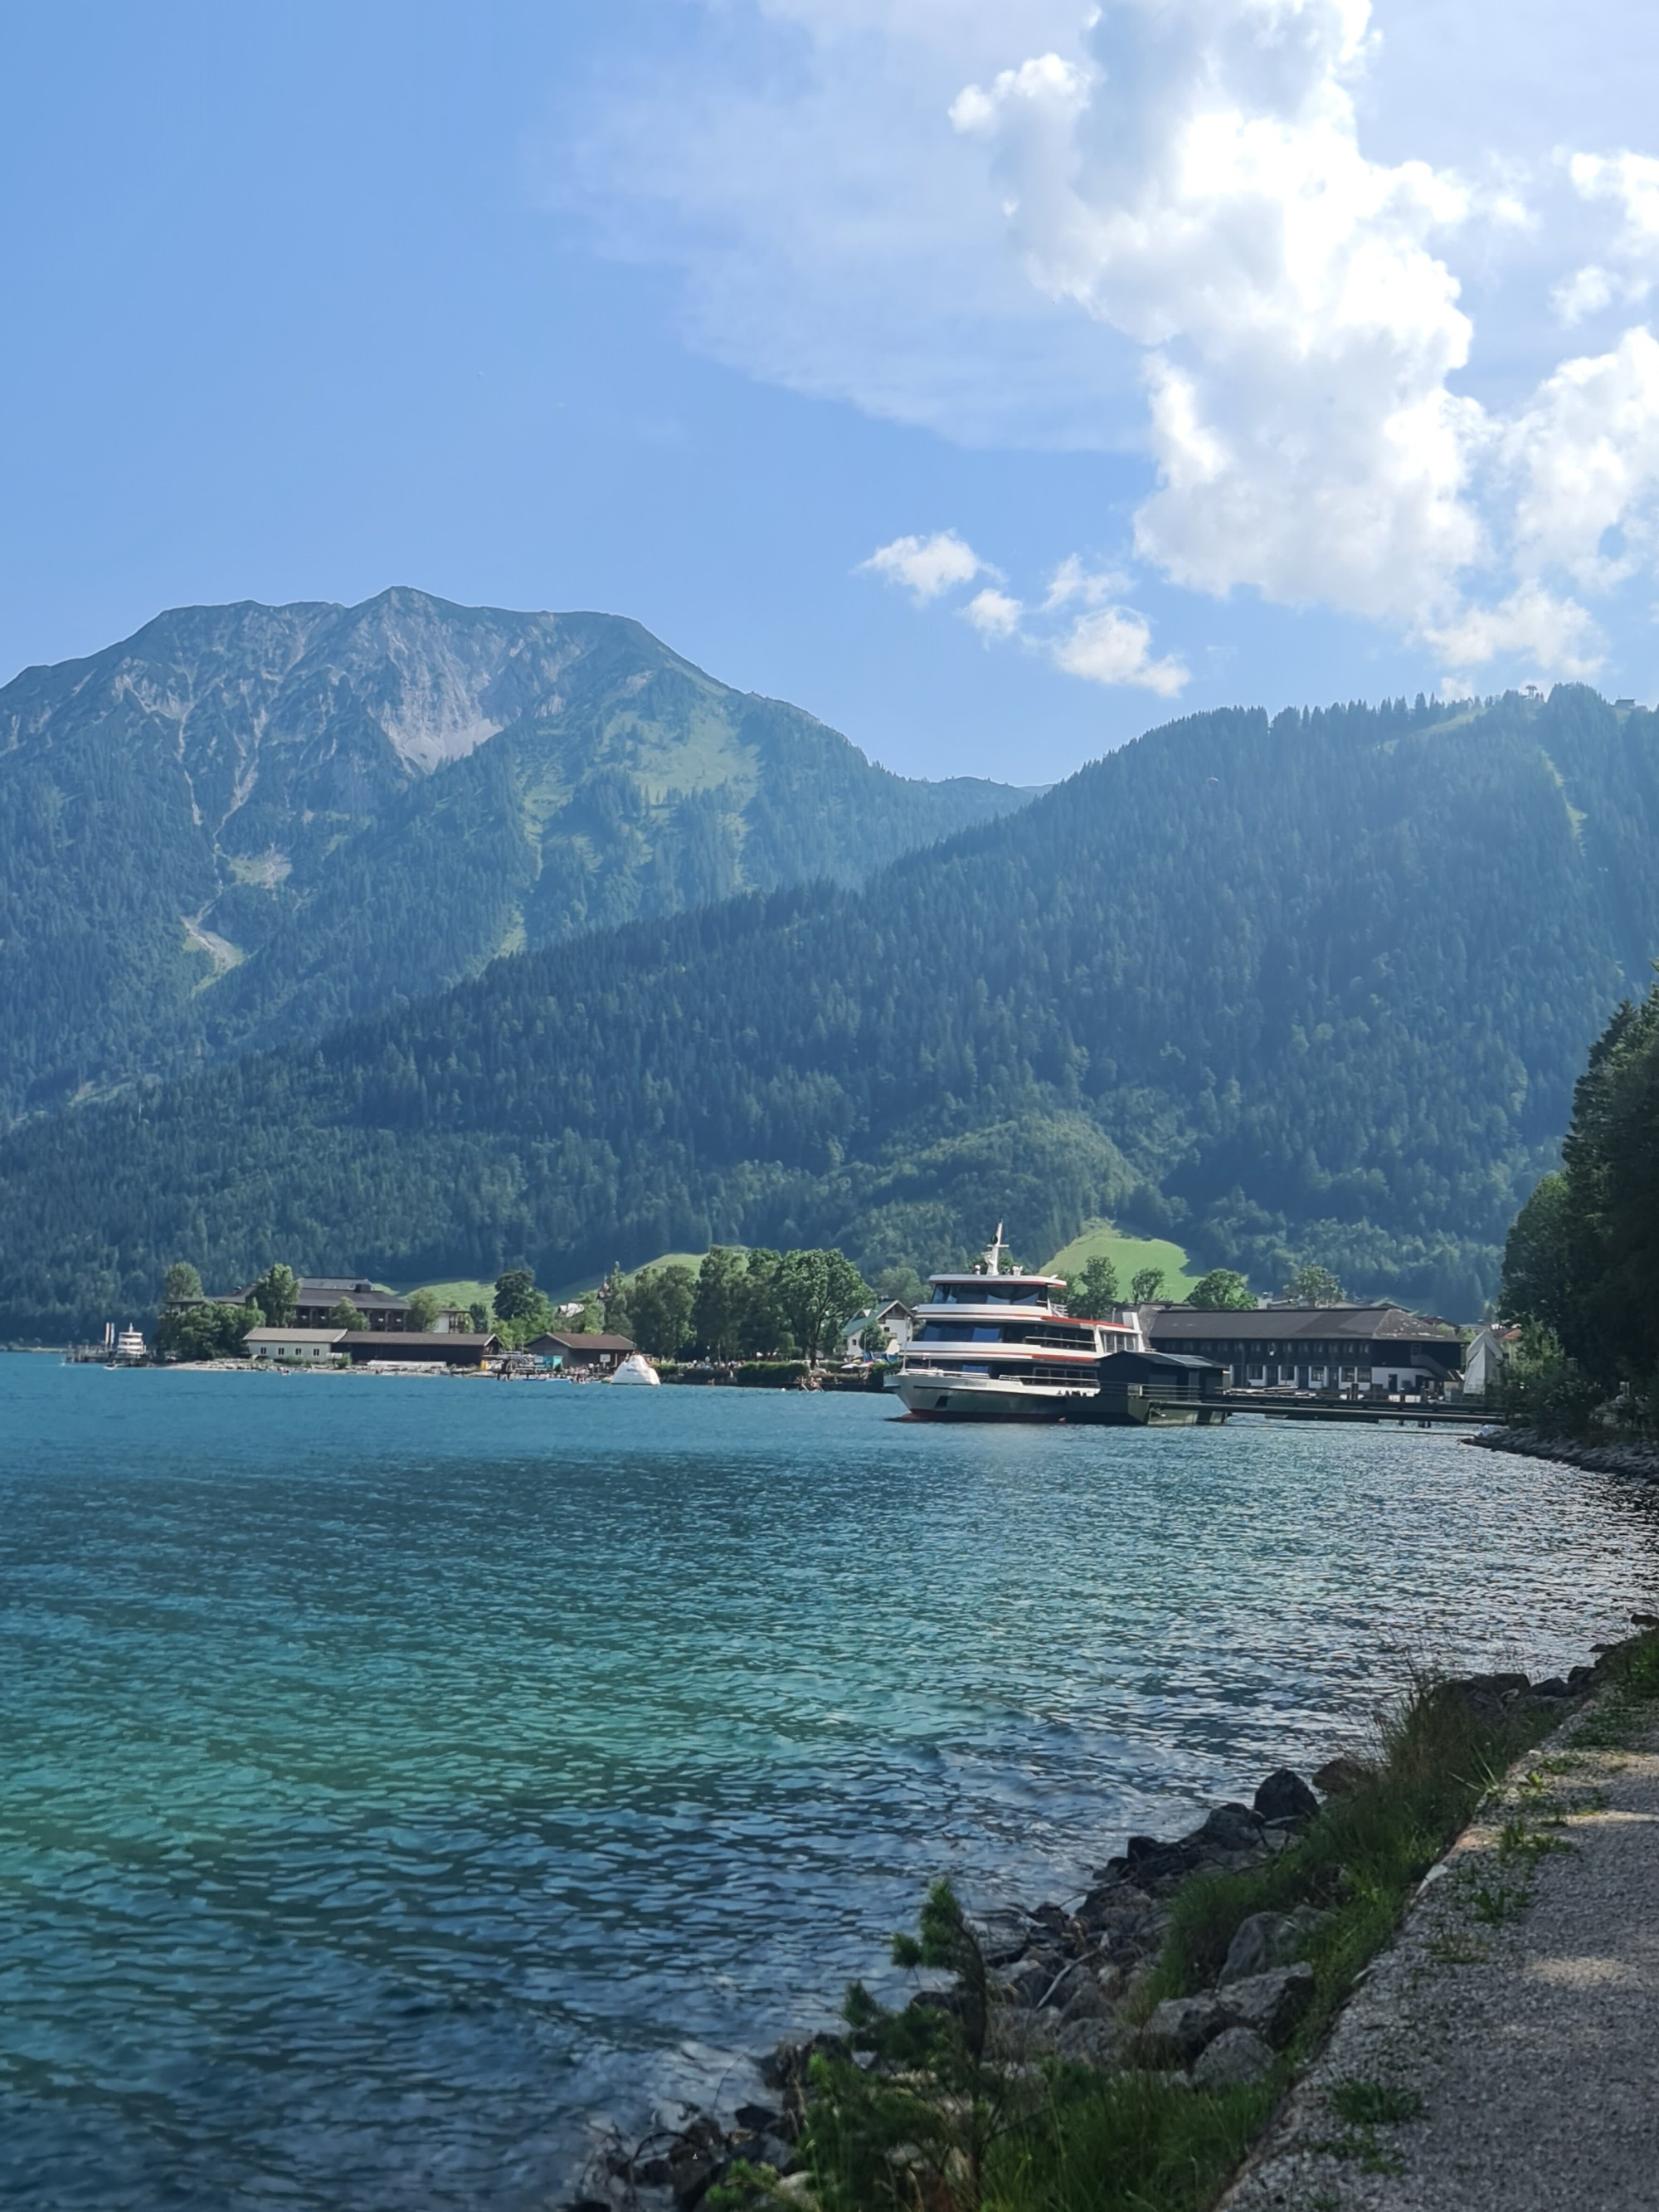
point(1638, 1461)
point(1064, 1979)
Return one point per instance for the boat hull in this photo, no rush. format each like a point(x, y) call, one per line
point(939, 1397)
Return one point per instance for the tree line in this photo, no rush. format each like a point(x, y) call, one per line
point(1581, 1265)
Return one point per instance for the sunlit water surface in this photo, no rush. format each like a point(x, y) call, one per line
point(401, 1775)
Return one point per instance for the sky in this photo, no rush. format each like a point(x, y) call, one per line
point(996, 379)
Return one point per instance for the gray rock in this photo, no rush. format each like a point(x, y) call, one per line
point(1285, 1797)
point(1094, 2042)
point(1272, 2004)
point(1185, 2025)
point(1238, 2055)
point(1079, 1995)
point(1266, 1940)
point(1026, 1981)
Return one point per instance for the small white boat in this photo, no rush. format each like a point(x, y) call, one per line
point(130, 1350)
point(636, 1368)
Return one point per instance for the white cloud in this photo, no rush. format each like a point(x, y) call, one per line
point(926, 567)
point(1584, 454)
point(1631, 182)
point(1114, 646)
point(993, 614)
point(1157, 224)
point(1073, 585)
point(1105, 642)
point(1558, 637)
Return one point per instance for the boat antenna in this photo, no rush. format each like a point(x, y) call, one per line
point(993, 1260)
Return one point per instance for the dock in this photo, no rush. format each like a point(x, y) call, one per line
point(1374, 1413)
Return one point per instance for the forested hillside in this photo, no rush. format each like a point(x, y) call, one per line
point(245, 822)
point(1312, 990)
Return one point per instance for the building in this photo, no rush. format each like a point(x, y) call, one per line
point(446, 1347)
point(1367, 1349)
point(582, 1353)
point(296, 1347)
point(318, 1295)
point(895, 1320)
point(1487, 1356)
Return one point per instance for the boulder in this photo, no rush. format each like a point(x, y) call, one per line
point(1185, 2025)
point(1285, 1797)
point(759, 2119)
point(1237, 2056)
point(1026, 1982)
point(1077, 1996)
point(1229, 1828)
point(1271, 2004)
point(1266, 1940)
point(1094, 2042)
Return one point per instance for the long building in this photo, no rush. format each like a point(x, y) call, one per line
point(1371, 1347)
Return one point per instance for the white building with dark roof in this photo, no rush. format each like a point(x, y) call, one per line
point(1348, 1347)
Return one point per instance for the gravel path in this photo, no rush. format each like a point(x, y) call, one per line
point(1504, 2055)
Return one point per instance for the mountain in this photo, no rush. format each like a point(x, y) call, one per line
point(247, 823)
point(1316, 988)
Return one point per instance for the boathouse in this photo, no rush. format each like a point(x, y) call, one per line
point(578, 1353)
point(446, 1347)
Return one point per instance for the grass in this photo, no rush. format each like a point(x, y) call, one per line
point(1076, 2139)
point(460, 1292)
point(1129, 1255)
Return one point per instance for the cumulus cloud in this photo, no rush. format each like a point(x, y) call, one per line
point(1103, 642)
point(993, 614)
point(1155, 224)
point(926, 567)
point(1630, 182)
point(1114, 646)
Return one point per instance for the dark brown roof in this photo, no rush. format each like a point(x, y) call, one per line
point(1292, 1324)
point(573, 1340)
point(436, 1341)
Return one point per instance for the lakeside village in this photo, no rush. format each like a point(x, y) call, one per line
point(808, 1320)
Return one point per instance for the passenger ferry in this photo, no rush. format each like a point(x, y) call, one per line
point(990, 1347)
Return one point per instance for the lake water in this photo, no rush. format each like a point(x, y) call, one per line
point(399, 1774)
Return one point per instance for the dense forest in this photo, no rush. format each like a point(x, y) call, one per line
point(1314, 990)
point(1581, 1265)
point(246, 823)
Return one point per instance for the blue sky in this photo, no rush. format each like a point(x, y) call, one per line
point(994, 378)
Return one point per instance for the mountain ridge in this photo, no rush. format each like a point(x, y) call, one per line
point(244, 823)
point(1311, 989)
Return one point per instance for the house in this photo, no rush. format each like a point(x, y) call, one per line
point(446, 1347)
point(581, 1353)
point(1487, 1356)
point(318, 1295)
point(296, 1347)
point(1369, 1348)
point(895, 1320)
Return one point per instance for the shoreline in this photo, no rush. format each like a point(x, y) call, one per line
point(1072, 1983)
point(1640, 1461)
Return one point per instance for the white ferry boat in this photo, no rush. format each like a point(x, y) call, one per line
point(990, 1347)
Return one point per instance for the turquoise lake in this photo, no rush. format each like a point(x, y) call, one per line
point(402, 1777)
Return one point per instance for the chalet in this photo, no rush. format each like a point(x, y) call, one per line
point(1369, 1348)
point(578, 1352)
point(894, 1320)
point(446, 1347)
